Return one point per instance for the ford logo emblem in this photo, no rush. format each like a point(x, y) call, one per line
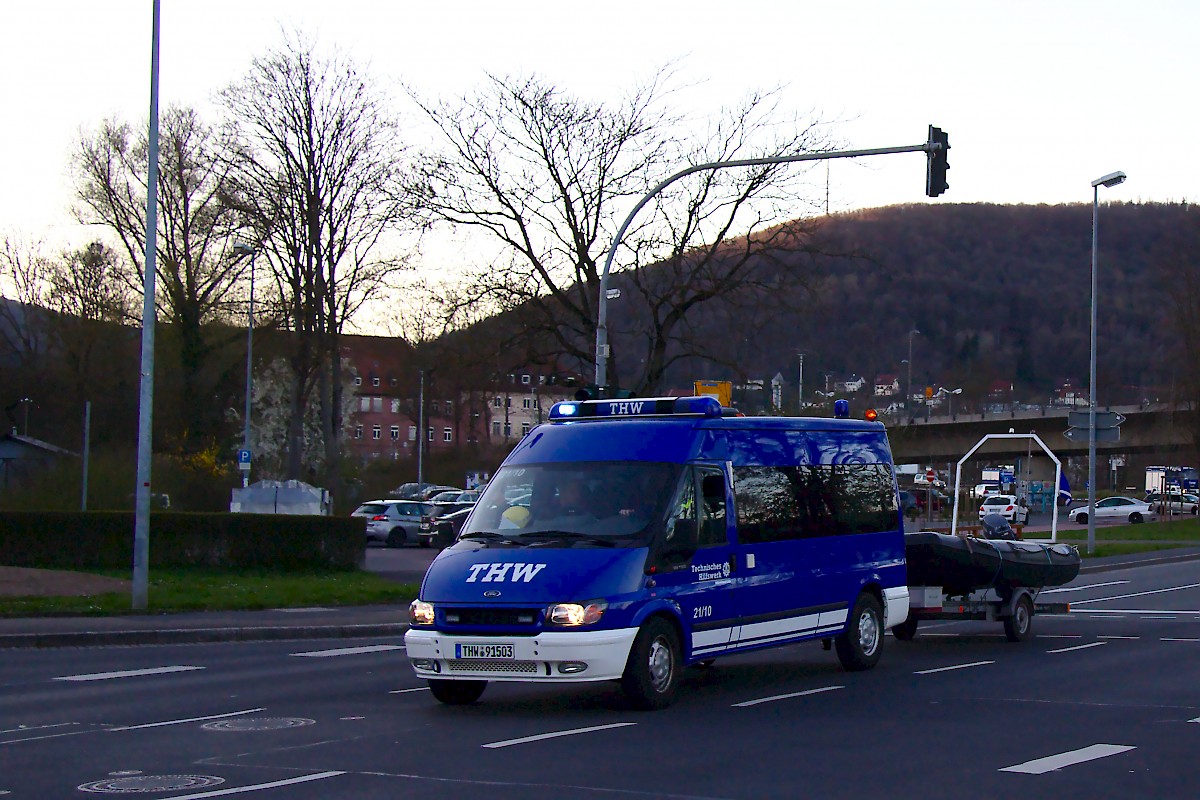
point(491, 593)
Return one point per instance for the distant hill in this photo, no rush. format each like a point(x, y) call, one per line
point(998, 292)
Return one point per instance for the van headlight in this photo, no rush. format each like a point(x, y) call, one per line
point(420, 613)
point(574, 614)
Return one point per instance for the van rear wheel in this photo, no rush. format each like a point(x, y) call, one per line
point(906, 630)
point(861, 644)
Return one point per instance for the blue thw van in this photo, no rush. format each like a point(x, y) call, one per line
point(626, 539)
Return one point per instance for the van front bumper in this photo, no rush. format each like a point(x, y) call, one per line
point(550, 657)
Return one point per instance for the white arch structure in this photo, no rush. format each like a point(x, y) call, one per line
point(1046, 450)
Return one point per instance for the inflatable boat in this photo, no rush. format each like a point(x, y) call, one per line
point(963, 564)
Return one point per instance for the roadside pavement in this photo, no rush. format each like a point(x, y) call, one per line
point(315, 623)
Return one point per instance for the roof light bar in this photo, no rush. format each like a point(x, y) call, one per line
point(637, 407)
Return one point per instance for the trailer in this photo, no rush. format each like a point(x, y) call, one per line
point(1015, 607)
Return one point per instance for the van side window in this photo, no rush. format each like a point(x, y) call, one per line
point(807, 502)
point(712, 507)
point(684, 511)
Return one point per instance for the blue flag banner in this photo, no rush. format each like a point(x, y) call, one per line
point(1064, 488)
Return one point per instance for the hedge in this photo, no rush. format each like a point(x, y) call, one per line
point(104, 540)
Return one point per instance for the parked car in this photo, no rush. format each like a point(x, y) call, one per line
point(1172, 503)
point(982, 490)
point(1007, 506)
point(449, 525)
point(1125, 509)
point(430, 492)
point(450, 502)
point(399, 522)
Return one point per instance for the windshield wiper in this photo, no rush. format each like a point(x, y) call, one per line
point(574, 536)
point(489, 536)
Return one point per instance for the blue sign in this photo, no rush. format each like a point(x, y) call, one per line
point(1006, 477)
point(243, 456)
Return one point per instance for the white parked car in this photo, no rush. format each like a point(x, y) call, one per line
point(1174, 503)
point(983, 490)
point(1007, 506)
point(1122, 509)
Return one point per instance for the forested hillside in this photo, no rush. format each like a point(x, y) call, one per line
point(997, 293)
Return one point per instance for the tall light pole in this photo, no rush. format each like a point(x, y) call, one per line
point(1111, 179)
point(908, 396)
point(800, 388)
point(141, 513)
point(241, 249)
point(27, 402)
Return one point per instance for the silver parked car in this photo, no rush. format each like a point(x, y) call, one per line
point(399, 522)
point(1122, 509)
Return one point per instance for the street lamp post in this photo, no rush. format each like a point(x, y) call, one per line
point(908, 395)
point(1109, 180)
point(246, 250)
point(27, 402)
point(800, 388)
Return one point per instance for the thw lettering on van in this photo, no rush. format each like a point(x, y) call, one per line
point(499, 573)
point(625, 408)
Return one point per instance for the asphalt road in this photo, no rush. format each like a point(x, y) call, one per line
point(1103, 702)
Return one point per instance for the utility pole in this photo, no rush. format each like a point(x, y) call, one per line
point(800, 388)
point(421, 432)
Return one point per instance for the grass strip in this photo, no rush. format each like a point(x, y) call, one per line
point(224, 590)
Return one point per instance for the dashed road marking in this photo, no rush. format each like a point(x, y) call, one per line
point(1128, 638)
point(542, 736)
point(749, 703)
point(1040, 766)
point(406, 691)
point(956, 666)
point(1078, 647)
point(259, 786)
point(349, 651)
point(129, 673)
point(184, 721)
point(1169, 639)
point(27, 728)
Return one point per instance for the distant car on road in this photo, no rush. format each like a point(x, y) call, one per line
point(1173, 503)
point(982, 490)
point(1125, 509)
point(1007, 506)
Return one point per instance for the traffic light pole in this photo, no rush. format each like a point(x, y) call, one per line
point(932, 147)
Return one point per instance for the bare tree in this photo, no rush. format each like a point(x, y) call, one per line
point(547, 176)
point(1177, 257)
point(25, 283)
point(317, 164)
point(197, 276)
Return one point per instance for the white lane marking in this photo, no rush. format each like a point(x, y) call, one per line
point(749, 703)
point(1078, 647)
point(1109, 636)
point(27, 728)
point(185, 721)
point(48, 736)
point(129, 673)
point(349, 651)
point(1135, 594)
point(1081, 588)
point(956, 666)
point(1117, 613)
point(256, 787)
point(1197, 719)
point(1050, 763)
point(556, 734)
point(406, 691)
point(1168, 639)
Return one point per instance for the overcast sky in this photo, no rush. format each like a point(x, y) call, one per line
point(1039, 98)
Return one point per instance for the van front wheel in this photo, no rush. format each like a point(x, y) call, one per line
point(861, 644)
point(457, 693)
point(651, 678)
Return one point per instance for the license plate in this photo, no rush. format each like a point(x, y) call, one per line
point(485, 651)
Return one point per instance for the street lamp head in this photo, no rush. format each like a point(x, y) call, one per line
point(1111, 179)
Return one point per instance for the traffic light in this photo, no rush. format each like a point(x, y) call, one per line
point(935, 177)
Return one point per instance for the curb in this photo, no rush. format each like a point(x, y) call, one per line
point(199, 635)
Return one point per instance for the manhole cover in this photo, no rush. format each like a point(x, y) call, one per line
point(258, 724)
point(151, 783)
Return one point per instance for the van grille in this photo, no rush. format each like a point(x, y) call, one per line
point(491, 665)
point(492, 616)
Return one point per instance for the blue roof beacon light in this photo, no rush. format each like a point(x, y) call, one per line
point(841, 409)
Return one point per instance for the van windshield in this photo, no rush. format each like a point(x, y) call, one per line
point(602, 503)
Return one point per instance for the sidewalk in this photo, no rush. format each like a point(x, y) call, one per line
point(314, 623)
